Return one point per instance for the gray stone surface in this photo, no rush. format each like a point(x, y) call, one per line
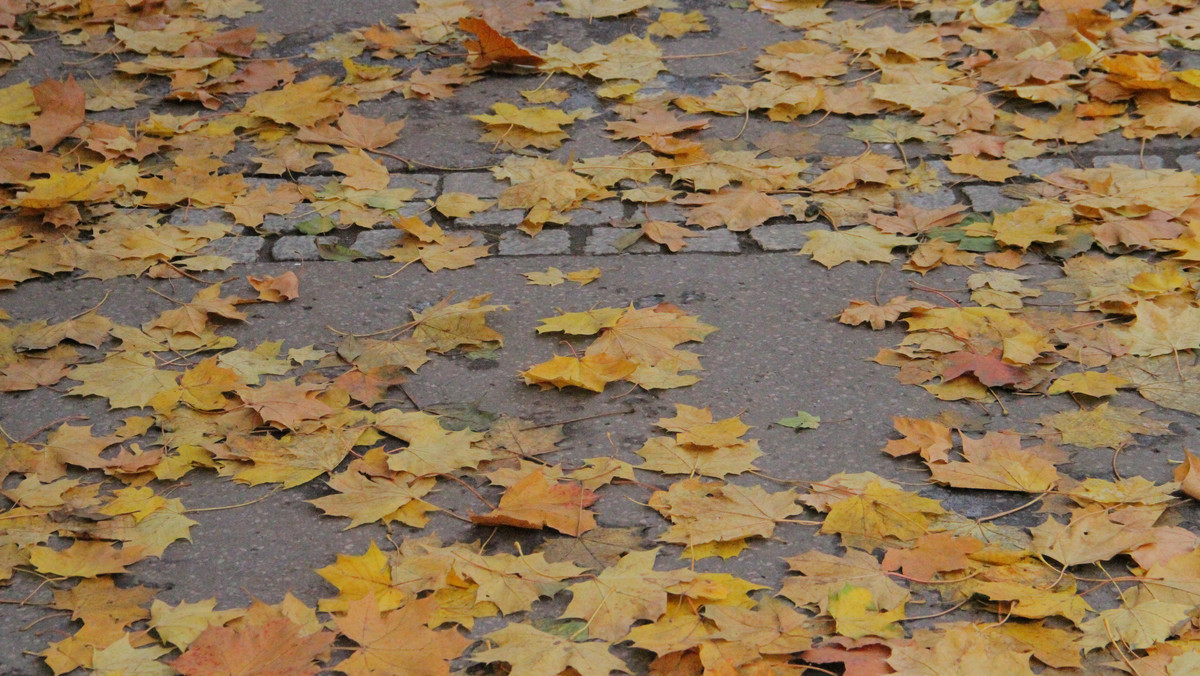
point(1042, 166)
point(298, 247)
point(597, 213)
point(1190, 161)
point(426, 185)
point(371, 242)
point(1134, 161)
point(492, 216)
point(717, 240)
point(478, 183)
point(782, 237)
point(517, 243)
point(990, 198)
point(604, 241)
point(941, 198)
point(247, 249)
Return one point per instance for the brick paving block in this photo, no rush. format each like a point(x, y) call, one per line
point(480, 183)
point(545, 243)
point(603, 242)
point(239, 249)
point(1042, 166)
point(989, 198)
point(597, 213)
point(1133, 161)
point(782, 237)
point(713, 241)
point(937, 199)
point(298, 247)
point(1188, 162)
point(426, 185)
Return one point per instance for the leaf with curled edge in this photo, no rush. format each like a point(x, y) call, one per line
point(538, 501)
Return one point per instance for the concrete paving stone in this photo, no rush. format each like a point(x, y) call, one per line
point(479, 183)
point(298, 247)
point(186, 217)
point(783, 236)
point(246, 249)
point(597, 213)
point(946, 176)
point(546, 242)
point(1134, 161)
point(493, 216)
point(1042, 166)
point(603, 242)
point(371, 242)
point(990, 198)
point(426, 185)
point(937, 199)
point(713, 241)
point(1188, 162)
point(672, 213)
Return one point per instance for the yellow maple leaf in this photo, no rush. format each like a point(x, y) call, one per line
point(861, 244)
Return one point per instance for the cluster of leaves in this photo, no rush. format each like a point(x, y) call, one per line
point(972, 83)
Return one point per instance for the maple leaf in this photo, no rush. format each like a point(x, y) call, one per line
point(669, 456)
point(1002, 469)
point(365, 499)
point(397, 642)
point(862, 244)
point(966, 649)
point(824, 574)
point(284, 403)
point(275, 647)
point(126, 379)
point(856, 615)
point(989, 369)
point(538, 501)
point(621, 594)
point(736, 208)
point(1139, 626)
point(988, 170)
point(182, 624)
point(490, 47)
point(928, 437)
point(703, 512)
point(1103, 426)
point(1032, 602)
point(1094, 534)
point(532, 652)
point(357, 577)
point(879, 316)
point(598, 548)
point(84, 559)
point(354, 131)
point(62, 111)
point(432, 449)
point(446, 327)
point(932, 554)
point(880, 515)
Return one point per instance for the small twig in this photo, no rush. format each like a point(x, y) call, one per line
point(471, 488)
point(260, 498)
point(1014, 510)
point(949, 610)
